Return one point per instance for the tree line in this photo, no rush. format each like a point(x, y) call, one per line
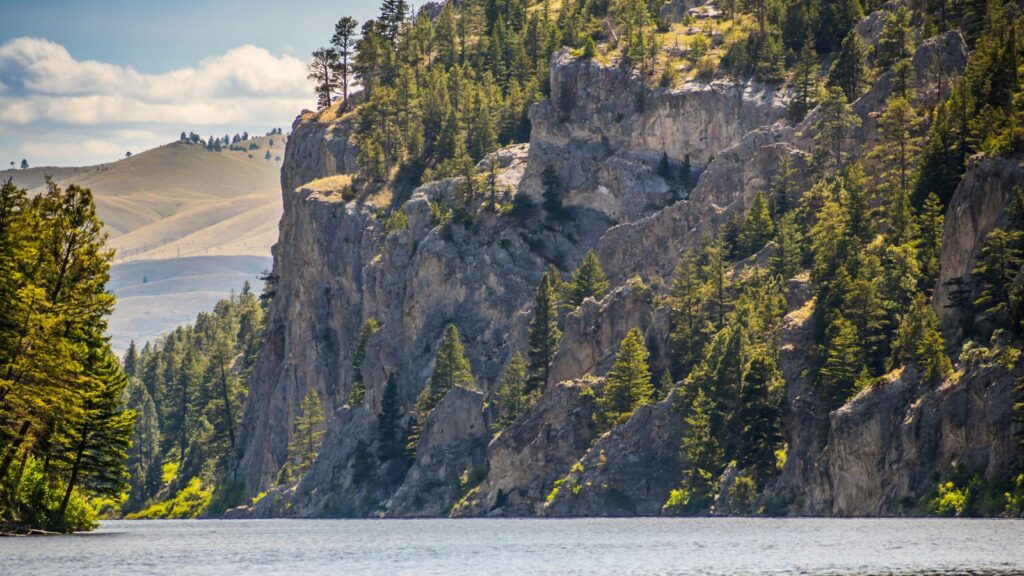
point(64, 429)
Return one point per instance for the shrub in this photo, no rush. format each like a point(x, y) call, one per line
point(397, 220)
point(742, 495)
point(951, 500)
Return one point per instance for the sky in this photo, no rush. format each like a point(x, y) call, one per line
point(84, 81)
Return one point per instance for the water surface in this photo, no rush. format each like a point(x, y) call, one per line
point(657, 547)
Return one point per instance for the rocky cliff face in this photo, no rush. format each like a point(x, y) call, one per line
point(337, 266)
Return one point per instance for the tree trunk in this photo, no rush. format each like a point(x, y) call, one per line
point(74, 475)
point(227, 406)
point(13, 449)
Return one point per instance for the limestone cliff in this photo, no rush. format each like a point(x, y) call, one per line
point(603, 135)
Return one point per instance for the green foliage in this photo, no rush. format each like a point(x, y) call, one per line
point(396, 221)
point(588, 281)
point(629, 382)
point(307, 433)
point(850, 70)
point(190, 502)
point(64, 429)
point(544, 332)
point(742, 496)
point(189, 391)
point(757, 229)
point(919, 341)
point(451, 368)
point(358, 391)
point(835, 122)
point(951, 500)
point(703, 457)
point(388, 423)
point(511, 398)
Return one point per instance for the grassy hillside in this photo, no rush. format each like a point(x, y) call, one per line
point(174, 193)
point(155, 296)
point(194, 224)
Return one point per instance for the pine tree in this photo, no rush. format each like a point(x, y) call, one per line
point(131, 360)
point(388, 422)
point(896, 40)
point(757, 228)
point(920, 341)
point(783, 189)
point(628, 385)
point(787, 260)
point(714, 280)
point(144, 455)
point(544, 333)
point(836, 19)
point(589, 281)
point(451, 368)
point(343, 42)
point(842, 363)
point(687, 337)
point(358, 392)
point(805, 79)
point(307, 433)
point(322, 72)
point(998, 264)
point(850, 70)
point(930, 224)
point(702, 456)
point(760, 415)
point(511, 397)
point(100, 438)
point(835, 121)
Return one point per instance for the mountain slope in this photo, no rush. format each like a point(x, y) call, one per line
point(205, 218)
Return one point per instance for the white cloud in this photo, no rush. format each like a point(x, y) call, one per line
point(43, 82)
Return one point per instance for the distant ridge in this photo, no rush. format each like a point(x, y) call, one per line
point(195, 223)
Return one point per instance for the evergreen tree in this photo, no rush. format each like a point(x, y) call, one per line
point(930, 224)
point(99, 439)
point(511, 397)
point(787, 261)
point(451, 368)
point(343, 43)
point(757, 228)
point(760, 415)
point(131, 360)
point(850, 70)
point(896, 40)
point(999, 263)
point(388, 422)
point(687, 337)
point(805, 80)
point(544, 333)
point(628, 384)
point(307, 433)
point(588, 281)
point(702, 456)
point(358, 391)
point(920, 341)
point(842, 363)
point(835, 121)
point(322, 72)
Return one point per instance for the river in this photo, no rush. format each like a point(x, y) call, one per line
point(650, 546)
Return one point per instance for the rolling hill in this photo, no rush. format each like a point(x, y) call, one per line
point(189, 225)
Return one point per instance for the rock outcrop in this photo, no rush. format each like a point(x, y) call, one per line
point(452, 448)
point(978, 206)
point(628, 471)
point(539, 448)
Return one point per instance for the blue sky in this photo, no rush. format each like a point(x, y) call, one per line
point(82, 82)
